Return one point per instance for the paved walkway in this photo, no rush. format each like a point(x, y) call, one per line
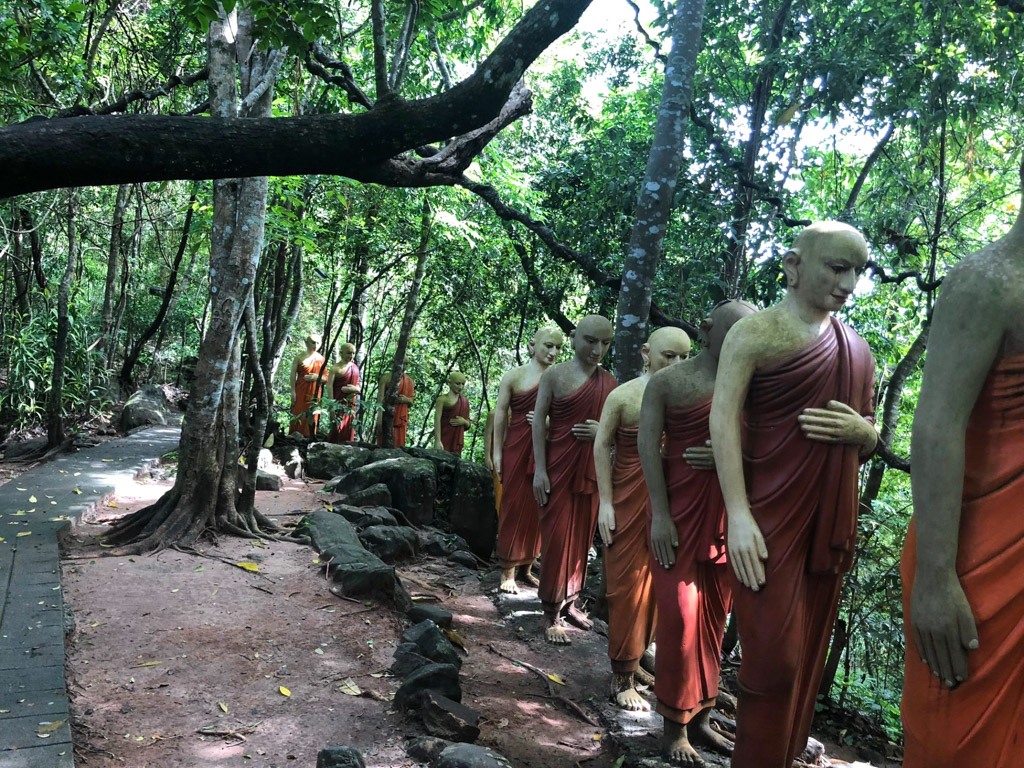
point(34, 509)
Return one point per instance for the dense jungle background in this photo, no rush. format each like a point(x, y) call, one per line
point(903, 118)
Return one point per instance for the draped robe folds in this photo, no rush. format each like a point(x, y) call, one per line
point(401, 422)
point(453, 438)
point(305, 393)
point(631, 609)
point(981, 721)
point(519, 518)
point(568, 521)
point(343, 431)
point(693, 596)
point(803, 496)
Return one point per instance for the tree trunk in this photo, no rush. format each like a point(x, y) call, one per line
point(105, 344)
point(21, 273)
point(657, 194)
point(412, 307)
point(54, 401)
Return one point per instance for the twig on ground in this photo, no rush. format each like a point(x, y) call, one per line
point(575, 708)
point(261, 589)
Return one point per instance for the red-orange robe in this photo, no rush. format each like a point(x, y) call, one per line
point(453, 438)
point(343, 431)
point(803, 495)
point(401, 422)
point(631, 608)
point(981, 721)
point(519, 518)
point(568, 521)
point(305, 393)
point(693, 595)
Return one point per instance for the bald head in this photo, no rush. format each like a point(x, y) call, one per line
point(546, 345)
point(457, 377)
point(830, 238)
point(723, 316)
point(664, 347)
point(592, 339)
point(595, 324)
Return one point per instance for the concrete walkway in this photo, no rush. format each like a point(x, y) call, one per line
point(34, 509)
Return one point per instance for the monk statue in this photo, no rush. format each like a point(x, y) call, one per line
point(451, 416)
point(622, 520)
point(343, 386)
point(690, 582)
point(489, 458)
point(403, 399)
point(571, 395)
point(305, 379)
point(963, 562)
point(512, 456)
point(804, 382)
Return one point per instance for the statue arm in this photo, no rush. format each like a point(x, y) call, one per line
point(489, 440)
point(382, 387)
point(541, 484)
point(438, 408)
point(664, 538)
point(295, 372)
point(328, 390)
point(964, 341)
point(501, 412)
point(603, 444)
point(746, 547)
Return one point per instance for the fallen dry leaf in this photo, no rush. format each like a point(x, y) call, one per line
point(45, 729)
point(349, 687)
point(455, 638)
point(223, 706)
point(147, 664)
point(284, 691)
point(556, 679)
point(31, 499)
point(245, 565)
point(24, 533)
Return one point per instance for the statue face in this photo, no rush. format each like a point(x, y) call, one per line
point(346, 355)
point(457, 386)
point(665, 347)
point(593, 339)
point(546, 348)
point(824, 265)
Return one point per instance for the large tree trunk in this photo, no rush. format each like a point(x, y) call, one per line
point(204, 496)
point(104, 345)
point(54, 401)
point(657, 193)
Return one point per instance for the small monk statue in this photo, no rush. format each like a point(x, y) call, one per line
point(305, 379)
point(403, 399)
point(572, 395)
point(963, 562)
point(804, 381)
point(690, 584)
point(622, 520)
point(519, 515)
point(343, 385)
point(451, 416)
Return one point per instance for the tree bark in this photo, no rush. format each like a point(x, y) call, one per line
point(655, 201)
point(54, 401)
point(104, 344)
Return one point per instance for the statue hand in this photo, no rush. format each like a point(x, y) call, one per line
point(700, 456)
point(606, 522)
point(586, 430)
point(664, 540)
point(496, 461)
point(311, 377)
point(541, 487)
point(529, 418)
point(943, 624)
point(746, 549)
point(837, 423)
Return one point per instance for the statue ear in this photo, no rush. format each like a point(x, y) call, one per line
point(645, 353)
point(790, 262)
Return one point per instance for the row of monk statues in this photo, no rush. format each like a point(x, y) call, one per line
point(727, 482)
point(343, 384)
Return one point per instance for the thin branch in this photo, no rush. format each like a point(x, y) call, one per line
point(174, 81)
point(879, 273)
point(551, 307)
point(453, 15)
point(446, 75)
point(318, 62)
point(876, 153)
point(646, 36)
point(403, 46)
point(268, 79)
point(380, 50)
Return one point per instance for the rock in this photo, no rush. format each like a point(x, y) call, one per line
point(267, 481)
point(412, 483)
point(443, 678)
point(426, 749)
point(19, 448)
point(470, 756)
point(376, 495)
point(464, 558)
point(391, 543)
point(471, 512)
point(432, 643)
point(440, 544)
point(363, 517)
point(647, 660)
point(265, 460)
point(340, 757)
point(422, 611)
point(146, 407)
point(325, 460)
point(358, 571)
point(408, 659)
point(448, 719)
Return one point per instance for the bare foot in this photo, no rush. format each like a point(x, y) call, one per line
point(576, 617)
point(526, 576)
point(675, 746)
point(625, 695)
point(556, 635)
point(702, 733)
point(508, 581)
point(643, 677)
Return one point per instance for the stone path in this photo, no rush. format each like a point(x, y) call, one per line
point(34, 509)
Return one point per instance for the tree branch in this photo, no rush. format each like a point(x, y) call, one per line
point(174, 81)
point(380, 50)
point(879, 273)
point(876, 153)
point(318, 62)
point(403, 46)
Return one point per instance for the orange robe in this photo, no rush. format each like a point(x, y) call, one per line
point(453, 438)
point(519, 518)
point(693, 595)
point(803, 495)
point(305, 393)
point(631, 608)
point(343, 431)
point(401, 422)
point(568, 522)
point(981, 721)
